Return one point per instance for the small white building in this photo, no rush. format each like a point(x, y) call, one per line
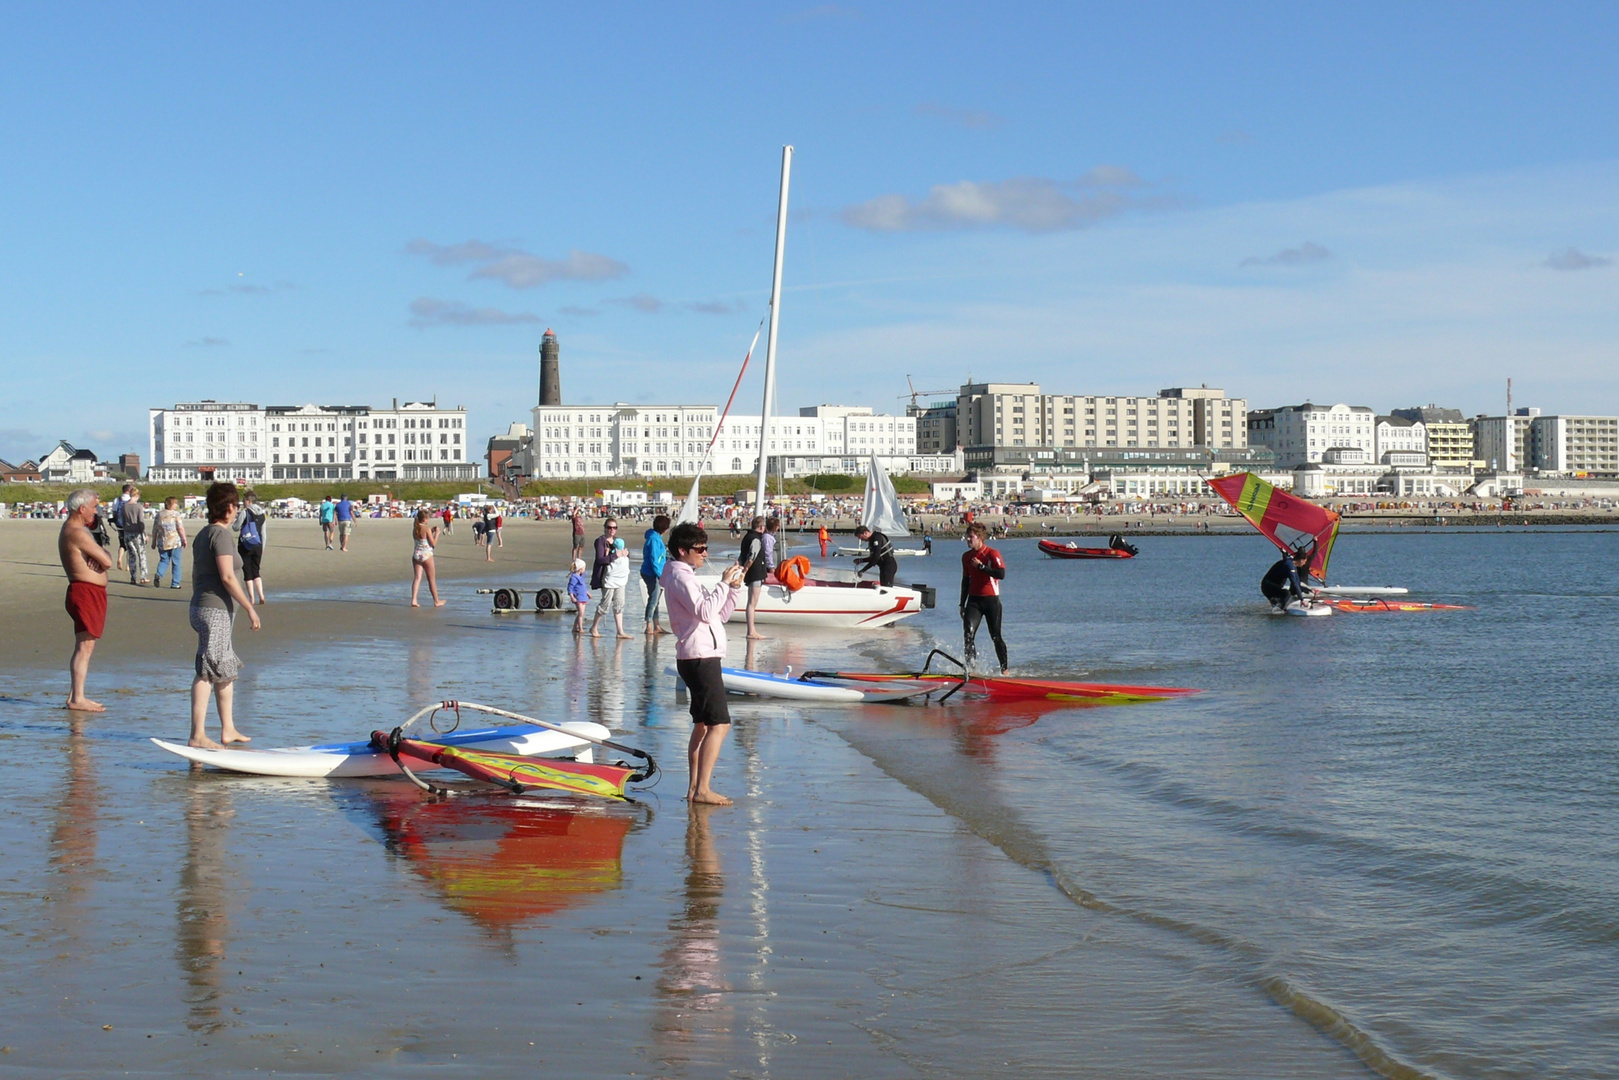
point(67, 464)
point(1302, 434)
point(1397, 435)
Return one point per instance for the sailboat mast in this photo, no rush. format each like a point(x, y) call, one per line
point(770, 342)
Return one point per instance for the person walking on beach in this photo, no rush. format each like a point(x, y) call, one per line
point(132, 534)
point(215, 592)
point(86, 564)
point(654, 556)
point(579, 593)
point(697, 616)
point(487, 530)
point(614, 582)
point(604, 552)
point(115, 514)
point(250, 543)
point(328, 519)
point(755, 568)
point(345, 522)
point(449, 516)
point(825, 538)
point(425, 539)
point(982, 571)
point(169, 535)
point(578, 534)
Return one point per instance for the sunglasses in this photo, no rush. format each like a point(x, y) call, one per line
point(701, 549)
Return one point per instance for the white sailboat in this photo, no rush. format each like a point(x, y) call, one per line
point(820, 602)
point(882, 512)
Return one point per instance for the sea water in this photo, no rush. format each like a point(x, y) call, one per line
point(1374, 845)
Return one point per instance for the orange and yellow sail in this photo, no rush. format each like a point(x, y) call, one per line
point(1290, 522)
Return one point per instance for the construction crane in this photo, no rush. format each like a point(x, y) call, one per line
point(915, 393)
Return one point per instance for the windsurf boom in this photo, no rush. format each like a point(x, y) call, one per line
point(1003, 689)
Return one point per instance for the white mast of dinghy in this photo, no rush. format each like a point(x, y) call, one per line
point(770, 342)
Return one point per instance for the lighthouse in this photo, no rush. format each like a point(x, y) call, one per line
point(550, 371)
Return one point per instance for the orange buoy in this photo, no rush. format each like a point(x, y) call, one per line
point(794, 572)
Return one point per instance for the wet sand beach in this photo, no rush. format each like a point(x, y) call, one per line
point(1245, 883)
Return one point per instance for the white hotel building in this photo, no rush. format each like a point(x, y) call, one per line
point(1303, 434)
point(670, 440)
point(206, 440)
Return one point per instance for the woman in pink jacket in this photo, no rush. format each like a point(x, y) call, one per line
point(697, 615)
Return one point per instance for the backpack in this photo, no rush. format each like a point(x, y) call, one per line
point(118, 514)
point(251, 537)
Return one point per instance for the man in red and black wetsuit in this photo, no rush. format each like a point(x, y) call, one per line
point(982, 571)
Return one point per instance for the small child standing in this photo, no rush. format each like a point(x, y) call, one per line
point(579, 593)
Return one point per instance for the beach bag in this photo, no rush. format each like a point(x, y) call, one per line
point(251, 537)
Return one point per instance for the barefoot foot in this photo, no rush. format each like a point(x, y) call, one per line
point(204, 743)
point(84, 705)
point(438, 603)
point(234, 736)
point(708, 798)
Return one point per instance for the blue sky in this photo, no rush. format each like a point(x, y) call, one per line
point(1387, 205)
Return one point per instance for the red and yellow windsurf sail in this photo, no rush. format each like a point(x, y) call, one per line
point(1290, 522)
point(506, 770)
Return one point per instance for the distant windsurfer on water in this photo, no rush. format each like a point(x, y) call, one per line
point(982, 571)
point(879, 553)
point(1283, 583)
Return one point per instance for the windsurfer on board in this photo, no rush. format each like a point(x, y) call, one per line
point(982, 571)
point(879, 553)
point(1283, 583)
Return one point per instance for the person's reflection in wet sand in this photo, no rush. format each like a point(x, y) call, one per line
point(606, 690)
point(419, 684)
point(694, 1007)
point(73, 837)
point(203, 929)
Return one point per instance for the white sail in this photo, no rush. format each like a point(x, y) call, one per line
point(690, 511)
point(882, 512)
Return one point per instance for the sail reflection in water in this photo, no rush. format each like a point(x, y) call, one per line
point(502, 861)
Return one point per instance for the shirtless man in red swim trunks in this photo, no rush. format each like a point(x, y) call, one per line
point(85, 563)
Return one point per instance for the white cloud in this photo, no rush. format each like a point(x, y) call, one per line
point(518, 269)
point(647, 305)
point(976, 119)
point(1305, 254)
point(1575, 259)
point(426, 312)
point(1031, 203)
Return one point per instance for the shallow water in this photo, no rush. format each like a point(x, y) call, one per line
point(1375, 844)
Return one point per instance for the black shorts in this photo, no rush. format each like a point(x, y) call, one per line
point(705, 682)
point(251, 558)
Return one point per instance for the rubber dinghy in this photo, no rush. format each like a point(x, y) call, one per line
point(1000, 688)
point(1116, 549)
point(363, 759)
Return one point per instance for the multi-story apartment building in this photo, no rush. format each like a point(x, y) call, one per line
point(1503, 443)
point(1450, 436)
point(1020, 415)
point(858, 431)
point(1303, 434)
point(935, 427)
point(205, 440)
point(1576, 444)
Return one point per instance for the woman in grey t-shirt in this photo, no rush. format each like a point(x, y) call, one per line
point(216, 589)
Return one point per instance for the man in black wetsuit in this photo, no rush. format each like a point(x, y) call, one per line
point(1283, 582)
point(879, 553)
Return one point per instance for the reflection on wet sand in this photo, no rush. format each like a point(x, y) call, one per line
point(73, 836)
point(202, 910)
point(606, 693)
point(503, 861)
point(695, 1019)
